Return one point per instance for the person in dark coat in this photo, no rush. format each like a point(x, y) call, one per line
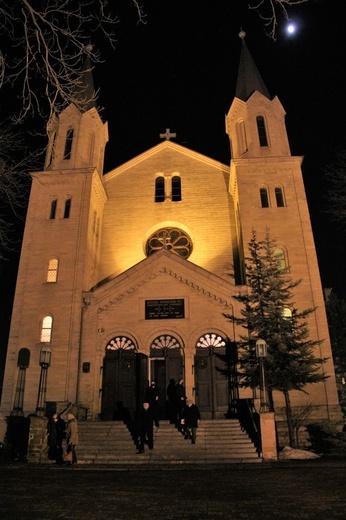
point(172, 401)
point(152, 396)
point(56, 434)
point(180, 401)
point(145, 428)
point(191, 418)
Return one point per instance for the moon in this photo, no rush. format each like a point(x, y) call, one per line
point(291, 28)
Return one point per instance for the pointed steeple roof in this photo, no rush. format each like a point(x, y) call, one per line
point(249, 79)
point(84, 90)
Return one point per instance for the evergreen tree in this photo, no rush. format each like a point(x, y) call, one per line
point(269, 314)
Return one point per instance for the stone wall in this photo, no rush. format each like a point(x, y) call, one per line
point(37, 446)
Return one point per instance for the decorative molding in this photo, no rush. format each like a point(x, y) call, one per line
point(170, 272)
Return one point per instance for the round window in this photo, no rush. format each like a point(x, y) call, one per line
point(171, 239)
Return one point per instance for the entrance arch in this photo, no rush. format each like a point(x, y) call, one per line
point(166, 363)
point(211, 376)
point(123, 373)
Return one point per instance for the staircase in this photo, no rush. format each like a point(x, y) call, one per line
point(218, 442)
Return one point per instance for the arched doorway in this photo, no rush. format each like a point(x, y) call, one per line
point(166, 363)
point(124, 377)
point(211, 376)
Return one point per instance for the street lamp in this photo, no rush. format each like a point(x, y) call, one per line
point(45, 356)
point(261, 353)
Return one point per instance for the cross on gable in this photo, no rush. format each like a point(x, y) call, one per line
point(168, 134)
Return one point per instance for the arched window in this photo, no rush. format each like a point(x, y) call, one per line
point(52, 149)
point(68, 144)
point(159, 189)
point(211, 340)
point(287, 313)
point(241, 137)
point(52, 273)
point(46, 331)
point(162, 343)
point(279, 196)
point(279, 255)
point(176, 188)
point(91, 148)
point(120, 343)
point(287, 316)
point(67, 208)
point(264, 198)
point(53, 207)
point(262, 133)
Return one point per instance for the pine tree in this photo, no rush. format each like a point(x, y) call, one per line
point(269, 314)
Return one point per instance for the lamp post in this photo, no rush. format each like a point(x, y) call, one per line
point(261, 353)
point(45, 356)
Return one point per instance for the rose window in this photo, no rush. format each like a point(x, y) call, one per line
point(171, 239)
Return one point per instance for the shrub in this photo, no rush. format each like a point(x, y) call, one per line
point(327, 439)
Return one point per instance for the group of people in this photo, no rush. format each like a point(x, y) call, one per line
point(58, 431)
point(182, 412)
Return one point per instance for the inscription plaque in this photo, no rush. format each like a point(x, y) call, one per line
point(164, 309)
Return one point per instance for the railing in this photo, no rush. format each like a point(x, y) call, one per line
point(249, 422)
point(80, 412)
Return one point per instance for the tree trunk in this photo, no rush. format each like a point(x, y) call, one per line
point(289, 420)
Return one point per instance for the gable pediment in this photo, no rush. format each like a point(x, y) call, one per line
point(161, 264)
point(168, 149)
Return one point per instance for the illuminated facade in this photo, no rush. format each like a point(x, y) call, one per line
point(127, 275)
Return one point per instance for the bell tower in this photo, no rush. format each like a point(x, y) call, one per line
point(267, 185)
point(255, 123)
point(61, 249)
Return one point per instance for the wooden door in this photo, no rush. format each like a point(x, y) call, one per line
point(211, 383)
point(119, 382)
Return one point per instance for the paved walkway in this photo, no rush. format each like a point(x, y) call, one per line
point(308, 490)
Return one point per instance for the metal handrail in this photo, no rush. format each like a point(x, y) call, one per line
point(249, 422)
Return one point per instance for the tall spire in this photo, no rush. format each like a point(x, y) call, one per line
point(249, 79)
point(84, 90)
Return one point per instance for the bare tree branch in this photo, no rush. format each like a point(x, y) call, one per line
point(50, 40)
point(269, 11)
point(45, 46)
point(15, 162)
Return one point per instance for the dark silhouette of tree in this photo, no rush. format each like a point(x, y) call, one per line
point(336, 194)
point(336, 314)
point(269, 313)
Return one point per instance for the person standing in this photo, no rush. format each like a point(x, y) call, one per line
point(192, 417)
point(60, 429)
point(56, 433)
point(152, 396)
point(145, 428)
point(181, 401)
point(72, 437)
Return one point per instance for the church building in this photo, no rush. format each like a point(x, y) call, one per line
point(125, 277)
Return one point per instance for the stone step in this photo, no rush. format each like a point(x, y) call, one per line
point(218, 442)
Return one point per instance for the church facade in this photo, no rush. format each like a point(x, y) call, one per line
point(126, 276)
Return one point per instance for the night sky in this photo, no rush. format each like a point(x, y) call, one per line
point(179, 71)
